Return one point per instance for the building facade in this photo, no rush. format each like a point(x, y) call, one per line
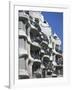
point(40, 54)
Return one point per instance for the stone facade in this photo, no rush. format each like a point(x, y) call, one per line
point(40, 54)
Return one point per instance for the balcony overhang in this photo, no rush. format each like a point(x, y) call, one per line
point(44, 42)
point(23, 15)
point(33, 27)
point(22, 52)
point(22, 34)
point(37, 60)
point(36, 45)
point(46, 56)
point(23, 74)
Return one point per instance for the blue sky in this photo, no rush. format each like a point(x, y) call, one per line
point(55, 20)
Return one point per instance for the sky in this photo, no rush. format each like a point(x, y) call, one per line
point(55, 20)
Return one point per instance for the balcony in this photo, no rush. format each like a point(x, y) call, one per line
point(46, 60)
point(23, 17)
point(23, 74)
point(22, 34)
point(33, 27)
point(22, 52)
point(37, 60)
point(46, 57)
point(36, 64)
point(36, 45)
point(20, 25)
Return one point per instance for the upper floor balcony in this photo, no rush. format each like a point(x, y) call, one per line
point(46, 60)
point(33, 27)
point(22, 34)
point(36, 45)
point(46, 57)
point(22, 52)
point(37, 60)
point(23, 16)
point(23, 74)
point(21, 29)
